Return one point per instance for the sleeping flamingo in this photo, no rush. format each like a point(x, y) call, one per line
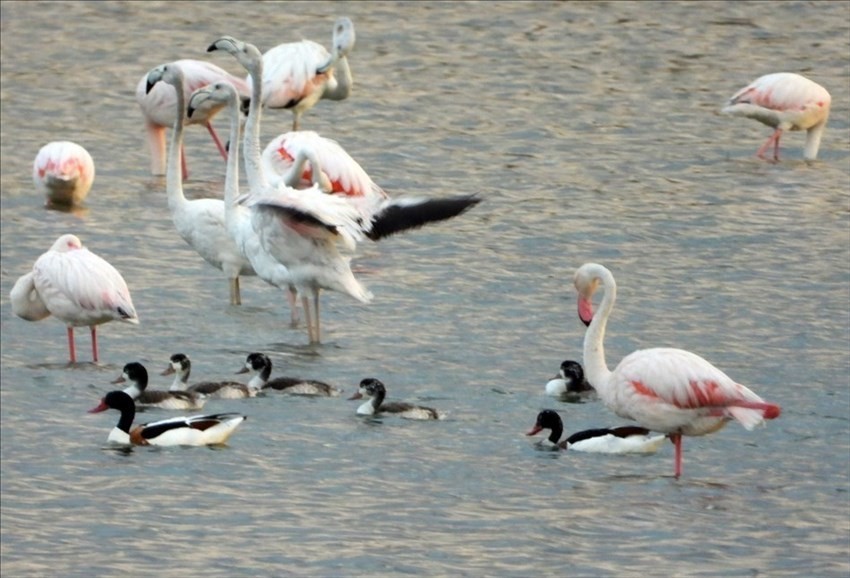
point(299, 74)
point(158, 108)
point(63, 171)
point(292, 156)
point(303, 229)
point(200, 222)
point(75, 285)
point(784, 101)
point(672, 391)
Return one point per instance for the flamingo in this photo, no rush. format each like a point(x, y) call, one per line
point(77, 286)
point(302, 229)
point(200, 222)
point(237, 217)
point(299, 74)
point(63, 171)
point(292, 158)
point(667, 390)
point(158, 107)
point(784, 101)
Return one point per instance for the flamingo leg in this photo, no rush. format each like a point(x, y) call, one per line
point(71, 349)
point(291, 296)
point(316, 307)
point(309, 318)
point(677, 460)
point(94, 342)
point(235, 296)
point(214, 135)
point(774, 140)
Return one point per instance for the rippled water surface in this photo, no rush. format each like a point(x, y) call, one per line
point(592, 132)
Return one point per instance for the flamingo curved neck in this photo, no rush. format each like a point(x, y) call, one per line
point(342, 77)
point(813, 136)
point(595, 368)
point(231, 179)
point(174, 175)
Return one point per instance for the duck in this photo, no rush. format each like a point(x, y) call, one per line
point(195, 430)
point(137, 375)
point(181, 367)
point(261, 366)
point(570, 382)
point(375, 390)
point(618, 440)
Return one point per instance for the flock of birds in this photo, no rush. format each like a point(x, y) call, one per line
point(308, 205)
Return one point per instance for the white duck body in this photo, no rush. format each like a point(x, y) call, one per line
point(63, 171)
point(197, 430)
point(618, 440)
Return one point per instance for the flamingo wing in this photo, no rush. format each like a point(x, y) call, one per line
point(290, 72)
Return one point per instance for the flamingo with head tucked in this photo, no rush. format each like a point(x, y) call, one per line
point(159, 108)
point(63, 171)
point(667, 390)
point(784, 101)
point(299, 74)
point(75, 285)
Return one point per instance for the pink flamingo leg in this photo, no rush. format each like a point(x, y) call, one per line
point(773, 139)
point(677, 460)
point(183, 163)
point(94, 342)
point(291, 295)
point(71, 347)
point(217, 140)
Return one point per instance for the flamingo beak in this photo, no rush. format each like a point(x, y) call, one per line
point(585, 310)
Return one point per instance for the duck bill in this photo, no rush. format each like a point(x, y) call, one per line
point(534, 430)
point(243, 370)
point(168, 371)
point(99, 407)
point(357, 395)
point(119, 380)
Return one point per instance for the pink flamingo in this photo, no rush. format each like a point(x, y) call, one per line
point(159, 108)
point(299, 74)
point(63, 171)
point(77, 286)
point(672, 391)
point(784, 101)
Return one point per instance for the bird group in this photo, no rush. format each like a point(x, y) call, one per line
point(308, 205)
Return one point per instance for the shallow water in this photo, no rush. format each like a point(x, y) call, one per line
point(592, 132)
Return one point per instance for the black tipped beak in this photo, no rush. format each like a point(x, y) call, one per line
point(189, 110)
point(149, 86)
point(212, 47)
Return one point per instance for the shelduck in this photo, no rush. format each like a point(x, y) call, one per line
point(137, 375)
point(181, 368)
point(618, 440)
point(376, 392)
point(570, 382)
point(196, 430)
point(261, 366)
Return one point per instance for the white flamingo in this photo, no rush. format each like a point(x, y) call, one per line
point(159, 108)
point(302, 229)
point(291, 158)
point(299, 74)
point(200, 222)
point(75, 285)
point(784, 101)
point(237, 217)
point(63, 171)
point(667, 390)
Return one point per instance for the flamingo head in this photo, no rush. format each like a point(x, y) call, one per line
point(343, 36)
point(246, 54)
point(170, 73)
point(67, 242)
point(586, 282)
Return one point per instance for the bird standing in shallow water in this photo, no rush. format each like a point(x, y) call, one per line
point(76, 286)
point(663, 389)
point(63, 171)
point(784, 101)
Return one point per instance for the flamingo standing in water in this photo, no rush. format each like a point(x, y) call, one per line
point(303, 229)
point(200, 222)
point(237, 217)
point(784, 101)
point(159, 108)
point(77, 286)
point(63, 171)
point(291, 158)
point(667, 390)
point(299, 74)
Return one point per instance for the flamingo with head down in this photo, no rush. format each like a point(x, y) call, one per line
point(784, 101)
point(63, 171)
point(667, 390)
